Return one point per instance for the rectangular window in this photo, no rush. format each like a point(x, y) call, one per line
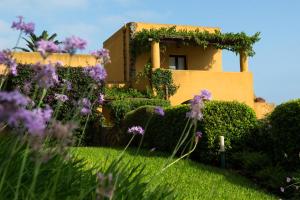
point(177, 62)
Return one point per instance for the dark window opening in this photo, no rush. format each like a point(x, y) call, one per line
point(177, 62)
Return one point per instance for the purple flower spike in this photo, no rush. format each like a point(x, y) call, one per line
point(15, 98)
point(6, 58)
point(45, 75)
point(61, 97)
point(196, 108)
point(101, 99)
point(27, 28)
point(102, 55)
point(206, 95)
point(98, 73)
point(136, 130)
point(45, 47)
point(159, 111)
point(67, 83)
point(199, 134)
point(85, 106)
point(72, 44)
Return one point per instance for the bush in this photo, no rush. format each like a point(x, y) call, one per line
point(81, 85)
point(232, 119)
point(285, 130)
point(122, 93)
point(119, 108)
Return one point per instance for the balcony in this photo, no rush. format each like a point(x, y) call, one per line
point(226, 86)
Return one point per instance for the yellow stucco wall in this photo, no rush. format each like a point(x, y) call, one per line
point(115, 69)
point(226, 86)
point(33, 57)
point(66, 59)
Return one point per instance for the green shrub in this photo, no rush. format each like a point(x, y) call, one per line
point(81, 87)
point(122, 93)
point(285, 130)
point(119, 108)
point(232, 119)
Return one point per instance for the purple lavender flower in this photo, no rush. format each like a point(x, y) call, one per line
point(199, 134)
point(45, 75)
point(102, 55)
point(61, 97)
point(205, 95)
point(15, 98)
point(159, 111)
point(288, 179)
point(67, 83)
point(196, 108)
point(282, 189)
point(85, 106)
point(35, 121)
point(27, 28)
point(197, 105)
point(136, 130)
point(98, 73)
point(73, 43)
point(45, 47)
point(12, 110)
point(6, 58)
point(101, 99)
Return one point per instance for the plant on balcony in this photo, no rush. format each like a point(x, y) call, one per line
point(235, 42)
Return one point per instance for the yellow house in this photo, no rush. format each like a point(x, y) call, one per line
point(193, 67)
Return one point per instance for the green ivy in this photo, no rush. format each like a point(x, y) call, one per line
point(235, 42)
point(160, 81)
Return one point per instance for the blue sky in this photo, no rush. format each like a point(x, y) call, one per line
point(275, 66)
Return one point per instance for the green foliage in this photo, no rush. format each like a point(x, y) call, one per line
point(119, 108)
point(191, 180)
point(163, 84)
point(130, 183)
point(285, 129)
point(232, 119)
point(56, 177)
point(32, 40)
point(82, 86)
point(118, 93)
point(61, 177)
point(235, 42)
point(160, 81)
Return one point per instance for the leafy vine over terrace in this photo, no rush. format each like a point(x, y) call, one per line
point(235, 42)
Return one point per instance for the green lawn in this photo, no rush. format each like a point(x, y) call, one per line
point(190, 180)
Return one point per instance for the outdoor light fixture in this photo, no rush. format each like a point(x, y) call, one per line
point(222, 151)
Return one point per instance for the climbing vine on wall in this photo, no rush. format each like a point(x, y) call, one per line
point(160, 81)
point(235, 42)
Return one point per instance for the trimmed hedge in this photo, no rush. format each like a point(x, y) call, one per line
point(285, 130)
point(232, 119)
point(119, 108)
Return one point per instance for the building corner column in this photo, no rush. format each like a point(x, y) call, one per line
point(155, 55)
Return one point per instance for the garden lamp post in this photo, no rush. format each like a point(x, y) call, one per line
point(222, 151)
